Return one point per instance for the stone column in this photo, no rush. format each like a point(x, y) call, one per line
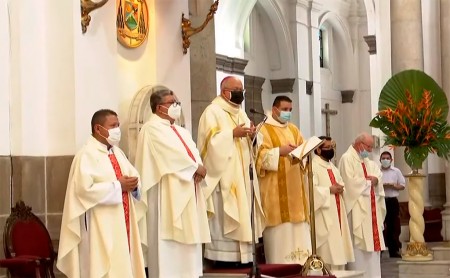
point(203, 61)
point(253, 89)
point(445, 60)
point(407, 53)
point(432, 66)
point(407, 48)
point(308, 69)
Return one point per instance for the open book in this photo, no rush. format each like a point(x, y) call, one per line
point(302, 151)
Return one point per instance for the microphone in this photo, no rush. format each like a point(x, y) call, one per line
point(253, 111)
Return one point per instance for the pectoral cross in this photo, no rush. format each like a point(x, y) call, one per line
point(327, 111)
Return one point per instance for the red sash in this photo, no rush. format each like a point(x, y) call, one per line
point(125, 199)
point(338, 199)
point(376, 236)
point(186, 147)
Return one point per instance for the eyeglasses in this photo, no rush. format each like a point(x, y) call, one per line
point(174, 103)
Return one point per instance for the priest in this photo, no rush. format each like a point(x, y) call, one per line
point(287, 236)
point(224, 138)
point(99, 229)
point(364, 201)
point(171, 172)
point(333, 238)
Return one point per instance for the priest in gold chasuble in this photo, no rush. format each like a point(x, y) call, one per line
point(283, 195)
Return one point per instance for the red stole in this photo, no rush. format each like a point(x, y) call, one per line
point(338, 199)
point(376, 236)
point(186, 147)
point(125, 199)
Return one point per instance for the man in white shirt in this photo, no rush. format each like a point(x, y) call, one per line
point(393, 182)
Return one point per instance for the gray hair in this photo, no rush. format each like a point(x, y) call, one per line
point(360, 138)
point(158, 94)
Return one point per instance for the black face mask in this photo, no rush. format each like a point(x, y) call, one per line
point(237, 97)
point(327, 154)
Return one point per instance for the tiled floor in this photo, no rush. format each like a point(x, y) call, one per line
point(389, 267)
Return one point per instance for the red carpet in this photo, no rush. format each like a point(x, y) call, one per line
point(274, 270)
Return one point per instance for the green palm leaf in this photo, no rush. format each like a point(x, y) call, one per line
point(412, 113)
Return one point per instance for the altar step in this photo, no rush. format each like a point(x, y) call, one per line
point(441, 253)
point(435, 268)
point(337, 274)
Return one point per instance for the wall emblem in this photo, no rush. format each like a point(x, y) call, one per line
point(132, 22)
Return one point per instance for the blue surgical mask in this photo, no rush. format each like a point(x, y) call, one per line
point(386, 163)
point(285, 116)
point(364, 154)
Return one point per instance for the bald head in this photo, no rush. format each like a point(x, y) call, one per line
point(230, 83)
point(363, 142)
point(364, 137)
point(231, 90)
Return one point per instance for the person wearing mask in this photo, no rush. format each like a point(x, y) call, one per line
point(171, 172)
point(333, 239)
point(284, 200)
point(225, 142)
point(393, 183)
point(99, 229)
point(364, 201)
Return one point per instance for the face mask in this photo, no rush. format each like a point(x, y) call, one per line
point(386, 163)
point(327, 154)
point(114, 136)
point(237, 97)
point(174, 112)
point(285, 116)
point(364, 154)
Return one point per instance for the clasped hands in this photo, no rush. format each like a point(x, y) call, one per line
point(128, 183)
point(336, 188)
point(199, 174)
point(373, 180)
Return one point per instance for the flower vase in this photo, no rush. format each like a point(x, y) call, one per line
point(416, 249)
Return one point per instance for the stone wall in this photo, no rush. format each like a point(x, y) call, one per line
point(41, 183)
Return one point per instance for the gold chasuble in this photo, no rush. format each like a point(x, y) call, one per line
point(228, 187)
point(283, 195)
point(282, 187)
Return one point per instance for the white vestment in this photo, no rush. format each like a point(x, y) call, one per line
point(177, 221)
point(93, 241)
point(333, 237)
point(357, 197)
point(228, 186)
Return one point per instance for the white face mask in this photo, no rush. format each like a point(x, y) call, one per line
point(174, 112)
point(114, 136)
point(386, 163)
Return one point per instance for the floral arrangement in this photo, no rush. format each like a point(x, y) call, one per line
point(413, 113)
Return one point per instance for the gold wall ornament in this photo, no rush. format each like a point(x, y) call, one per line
point(132, 22)
point(88, 6)
point(187, 30)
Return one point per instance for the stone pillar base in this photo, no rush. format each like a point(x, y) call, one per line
point(446, 222)
point(417, 251)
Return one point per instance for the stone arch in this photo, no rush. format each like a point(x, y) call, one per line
point(231, 22)
point(342, 51)
point(138, 115)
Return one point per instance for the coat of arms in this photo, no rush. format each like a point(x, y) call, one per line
point(132, 22)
